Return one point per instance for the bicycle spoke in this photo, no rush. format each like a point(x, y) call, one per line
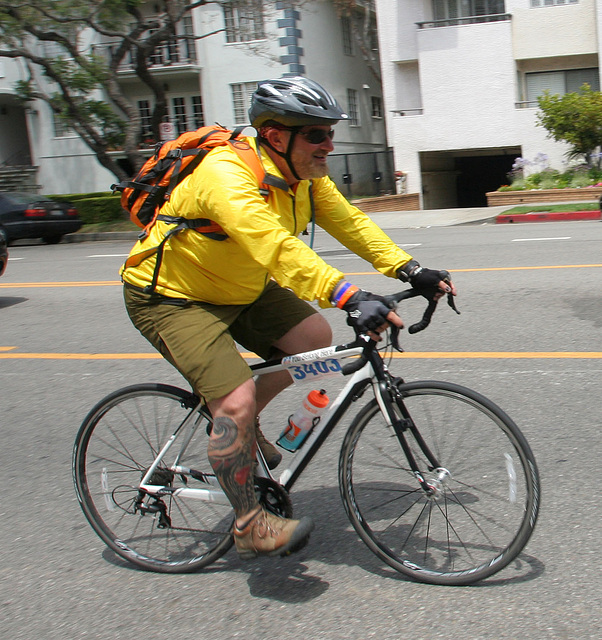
point(464, 520)
point(118, 443)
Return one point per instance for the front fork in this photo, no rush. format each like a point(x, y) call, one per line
point(392, 406)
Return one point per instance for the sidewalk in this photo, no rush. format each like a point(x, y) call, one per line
point(406, 220)
point(436, 217)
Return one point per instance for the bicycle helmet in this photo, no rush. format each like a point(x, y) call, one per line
point(294, 102)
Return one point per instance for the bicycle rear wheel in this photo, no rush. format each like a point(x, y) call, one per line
point(116, 444)
point(486, 490)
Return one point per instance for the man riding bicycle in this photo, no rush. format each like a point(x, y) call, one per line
point(252, 284)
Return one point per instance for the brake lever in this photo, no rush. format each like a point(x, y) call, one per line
point(394, 336)
point(451, 301)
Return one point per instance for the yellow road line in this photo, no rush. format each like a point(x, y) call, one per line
point(25, 285)
point(500, 354)
point(114, 283)
point(422, 355)
point(476, 270)
point(559, 266)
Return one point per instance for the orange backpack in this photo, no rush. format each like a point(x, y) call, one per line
point(172, 161)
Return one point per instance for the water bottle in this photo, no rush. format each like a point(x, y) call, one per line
point(303, 420)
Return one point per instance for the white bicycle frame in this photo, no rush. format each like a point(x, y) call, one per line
point(317, 364)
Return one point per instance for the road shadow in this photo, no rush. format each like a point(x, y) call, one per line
point(333, 542)
point(9, 301)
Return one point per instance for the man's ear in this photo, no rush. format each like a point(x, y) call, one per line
point(278, 138)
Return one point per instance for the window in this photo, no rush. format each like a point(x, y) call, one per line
point(559, 82)
point(176, 50)
point(241, 100)
point(144, 109)
point(188, 45)
point(178, 106)
point(450, 9)
point(347, 36)
point(551, 3)
point(198, 118)
point(377, 107)
point(165, 54)
point(244, 21)
point(353, 107)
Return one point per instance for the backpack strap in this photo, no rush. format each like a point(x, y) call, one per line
point(205, 226)
point(250, 157)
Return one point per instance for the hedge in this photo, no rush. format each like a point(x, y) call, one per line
point(95, 207)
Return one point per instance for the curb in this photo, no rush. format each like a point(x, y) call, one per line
point(556, 216)
point(132, 236)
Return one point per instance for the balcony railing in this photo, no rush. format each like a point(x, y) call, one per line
point(452, 22)
point(174, 53)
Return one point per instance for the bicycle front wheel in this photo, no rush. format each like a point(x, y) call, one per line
point(116, 444)
point(484, 492)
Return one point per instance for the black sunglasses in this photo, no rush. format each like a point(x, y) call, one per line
point(315, 136)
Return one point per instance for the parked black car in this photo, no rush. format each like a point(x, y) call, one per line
point(3, 251)
point(28, 215)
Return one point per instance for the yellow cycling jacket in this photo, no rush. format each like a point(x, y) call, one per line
point(261, 238)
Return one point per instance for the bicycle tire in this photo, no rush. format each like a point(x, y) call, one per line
point(481, 515)
point(115, 445)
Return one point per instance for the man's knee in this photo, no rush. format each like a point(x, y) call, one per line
point(238, 405)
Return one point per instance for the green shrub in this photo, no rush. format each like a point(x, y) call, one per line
point(75, 197)
point(95, 208)
point(576, 178)
point(580, 180)
point(104, 209)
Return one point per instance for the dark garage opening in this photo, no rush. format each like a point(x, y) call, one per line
point(476, 175)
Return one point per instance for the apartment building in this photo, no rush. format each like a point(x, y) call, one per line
point(461, 79)
point(207, 80)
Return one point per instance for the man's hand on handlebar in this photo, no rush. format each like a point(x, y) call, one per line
point(430, 283)
point(366, 312)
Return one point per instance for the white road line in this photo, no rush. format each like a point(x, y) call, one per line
point(109, 255)
point(538, 239)
point(10, 259)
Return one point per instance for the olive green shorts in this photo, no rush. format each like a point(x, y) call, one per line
point(199, 338)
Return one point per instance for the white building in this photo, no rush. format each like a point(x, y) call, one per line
point(207, 80)
point(460, 81)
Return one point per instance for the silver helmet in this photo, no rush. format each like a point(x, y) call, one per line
point(294, 102)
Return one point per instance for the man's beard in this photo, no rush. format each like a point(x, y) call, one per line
point(310, 169)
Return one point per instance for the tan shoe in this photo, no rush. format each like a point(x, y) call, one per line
point(270, 535)
point(272, 456)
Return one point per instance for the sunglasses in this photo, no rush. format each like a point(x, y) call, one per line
point(315, 136)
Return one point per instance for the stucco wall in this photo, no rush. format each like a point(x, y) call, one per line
point(467, 79)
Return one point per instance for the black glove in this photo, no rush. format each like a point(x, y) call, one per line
point(425, 281)
point(366, 311)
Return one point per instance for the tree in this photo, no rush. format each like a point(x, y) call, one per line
point(575, 118)
point(76, 80)
point(362, 23)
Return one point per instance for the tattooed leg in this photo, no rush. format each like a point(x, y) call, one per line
point(231, 453)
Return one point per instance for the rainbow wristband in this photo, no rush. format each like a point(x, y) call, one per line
point(342, 293)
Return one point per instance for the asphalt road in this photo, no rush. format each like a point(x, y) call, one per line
point(529, 337)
